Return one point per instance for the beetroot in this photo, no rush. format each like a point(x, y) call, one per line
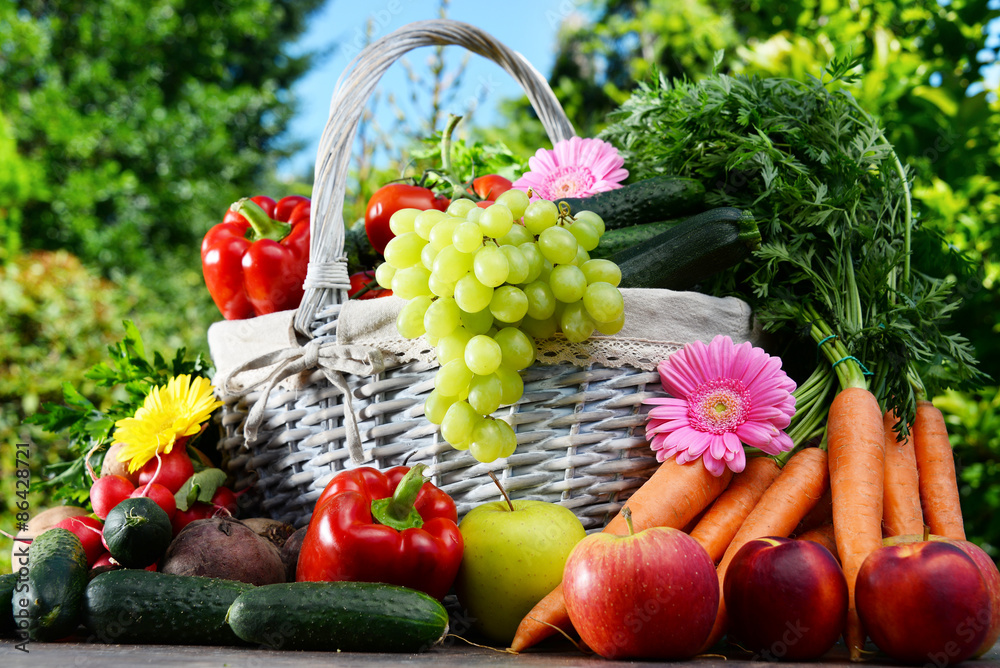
point(223, 547)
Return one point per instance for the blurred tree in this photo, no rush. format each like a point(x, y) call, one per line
point(137, 122)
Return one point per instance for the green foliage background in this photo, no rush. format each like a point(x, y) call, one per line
point(127, 127)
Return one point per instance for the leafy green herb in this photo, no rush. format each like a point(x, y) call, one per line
point(832, 201)
point(88, 427)
point(468, 160)
point(199, 487)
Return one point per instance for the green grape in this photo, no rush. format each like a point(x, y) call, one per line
point(459, 423)
point(460, 207)
point(442, 317)
point(568, 283)
point(436, 405)
point(472, 296)
point(452, 347)
point(453, 378)
point(509, 304)
point(540, 329)
point(558, 245)
point(401, 222)
point(487, 442)
point(541, 301)
point(540, 215)
point(582, 257)
point(425, 222)
point(575, 324)
point(612, 327)
point(474, 214)
point(530, 251)
point(410, 321)
point(496, 221)
point(518, 235)
point(383, 274)
point(585, 233)
point(593, 219)
point(411, 282)
point(490, 265)
point(451, 264)
point(404, 250)
point(517, 350)
point(517, 264)
point(508, 439)
point(440, 287)
point(514, 199)
point(441, 233)
point(478, 322)
point(511, 385)
point(482, 355)
point(602, 271)
point(485, 393)
point(467, 237)
point(427, 255)
point(603, 301)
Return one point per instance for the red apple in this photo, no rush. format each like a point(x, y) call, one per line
point(786, 599)
point(924, 602)
point(650, 595)
point(987, 568)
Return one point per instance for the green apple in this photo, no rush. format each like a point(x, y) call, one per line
point(514, 555)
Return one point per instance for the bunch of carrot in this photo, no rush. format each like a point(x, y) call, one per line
point(861, 484)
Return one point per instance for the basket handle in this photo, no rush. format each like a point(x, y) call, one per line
point(327, 281)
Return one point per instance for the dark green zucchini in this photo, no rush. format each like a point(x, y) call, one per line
point(57, 576)
point(646, 201)
point(339, 616)
point(138, 607)
point(615, 241)
point(691, 251)
point(7, 624)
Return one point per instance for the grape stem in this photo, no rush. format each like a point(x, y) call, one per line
point(502, 491)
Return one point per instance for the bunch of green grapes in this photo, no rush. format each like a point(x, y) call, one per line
point(482, 284)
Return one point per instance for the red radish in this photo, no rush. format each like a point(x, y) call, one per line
point(198, 511)
point(88, 530)
point(107, 492)
point(160, 495)
point(226, 498)
point(105, 560)
point(175, 468)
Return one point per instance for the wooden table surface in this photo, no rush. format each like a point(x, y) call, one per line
point(452, 653)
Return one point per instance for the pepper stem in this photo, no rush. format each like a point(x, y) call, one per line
point(397, 511)
point(264, 227)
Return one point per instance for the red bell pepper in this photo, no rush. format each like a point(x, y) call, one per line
point(255, 260)
point(392, 527)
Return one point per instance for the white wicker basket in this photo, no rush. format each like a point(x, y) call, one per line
point(301, 406)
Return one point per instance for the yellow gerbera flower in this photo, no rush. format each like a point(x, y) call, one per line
point(168, 413)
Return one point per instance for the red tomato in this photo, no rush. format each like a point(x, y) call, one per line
point(490, 186)
point(363, 278)
point(389, 199)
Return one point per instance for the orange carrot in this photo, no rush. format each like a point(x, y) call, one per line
point(901, 514)
point(795, 492)
point(821, 514)
point(936, 467)
point(672, 497)
point(723, 519)
point(823, 534)
point(856, 443)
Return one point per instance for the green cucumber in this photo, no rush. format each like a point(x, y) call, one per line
point(137, 532)
point(646, 201)
point(339, 616)
point(57, 576)
point(7, 624)
point(615, 241)
point(691, 251)
point(139, 607)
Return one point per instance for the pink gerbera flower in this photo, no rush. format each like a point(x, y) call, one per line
point(574, 167)
point(723, 396)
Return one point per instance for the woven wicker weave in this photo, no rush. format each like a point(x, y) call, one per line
point(578, 425)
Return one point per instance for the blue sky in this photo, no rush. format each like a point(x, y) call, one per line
point(527, 26)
